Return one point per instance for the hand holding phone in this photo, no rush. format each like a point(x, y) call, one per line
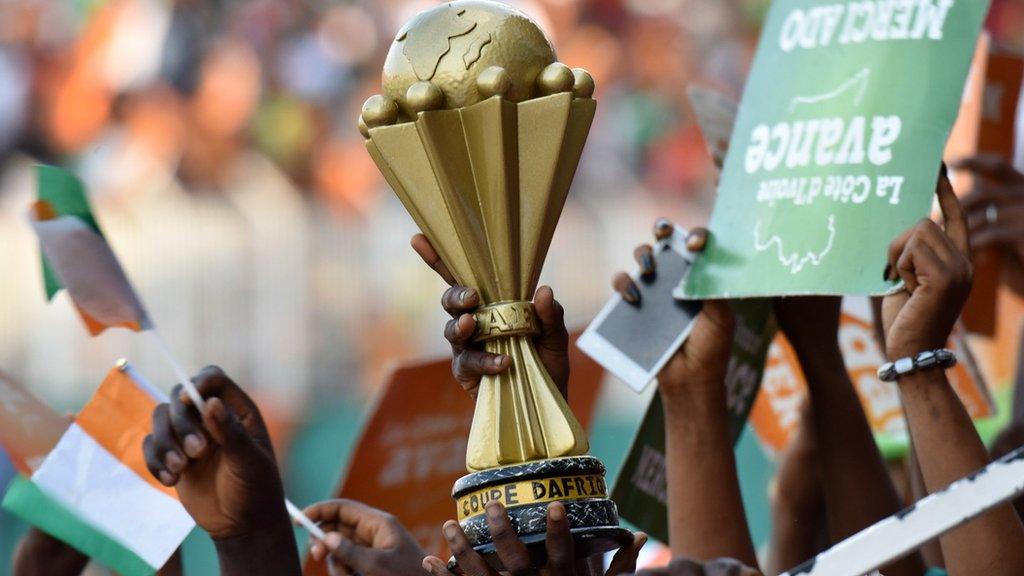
point(634, 340)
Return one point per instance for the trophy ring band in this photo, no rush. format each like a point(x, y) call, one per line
point(506, 319)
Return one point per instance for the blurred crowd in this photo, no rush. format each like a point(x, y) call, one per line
point(218, 140)
point(230, 126)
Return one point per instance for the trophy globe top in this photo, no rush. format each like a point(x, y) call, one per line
point(460, 53)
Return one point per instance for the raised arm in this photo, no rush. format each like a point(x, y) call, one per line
point(223, 467)
point(935, 267)
point(797, 501)
point(857, 488)
point(706, 516)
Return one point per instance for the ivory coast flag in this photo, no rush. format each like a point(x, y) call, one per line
point(76, 256)
point(29, 429)
point(93, 490)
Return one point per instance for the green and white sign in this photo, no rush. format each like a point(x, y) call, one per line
point(837, 145)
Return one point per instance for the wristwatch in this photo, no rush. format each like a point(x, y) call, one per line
point(892, 371)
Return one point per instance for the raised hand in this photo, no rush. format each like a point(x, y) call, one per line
point(365, 540)
point(706, 517)
point(222, 465)
point(644, 254)
point(704, 356)
point(469, 361)
point(516, 559)
point(848, 471)
point(995, 207)
point(934, 266)
point(936, 270)
point(703, 359)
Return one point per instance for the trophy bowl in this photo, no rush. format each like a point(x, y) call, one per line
point(479, 131)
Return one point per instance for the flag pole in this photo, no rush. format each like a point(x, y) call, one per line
point(179, 372)
point(193, 393)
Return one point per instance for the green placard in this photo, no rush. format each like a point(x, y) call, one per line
point(640, 489)
point(837, 144)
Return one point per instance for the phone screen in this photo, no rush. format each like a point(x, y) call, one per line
point(645, 332)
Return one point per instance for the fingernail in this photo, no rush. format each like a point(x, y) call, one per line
point(434, 566)
point(194, 445)
point(647, 261)
point(494, 511)
point(175, 463)
point(662, 228)
point(165, 478)
point(556, 511)
point(463, 294)
point(642, 540)
point(217, 410)
point(498, 361)
point(332, 540)
point(451, 531)
point(633, 294)
point(888, 270)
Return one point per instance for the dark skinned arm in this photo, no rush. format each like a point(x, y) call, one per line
point(40, 554)
point(706, 515)
point(797, 501)
point(857, 487)
point(935, 267)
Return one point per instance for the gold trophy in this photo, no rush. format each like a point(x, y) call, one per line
point(479, 131)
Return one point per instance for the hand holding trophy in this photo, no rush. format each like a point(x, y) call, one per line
point(479, 132)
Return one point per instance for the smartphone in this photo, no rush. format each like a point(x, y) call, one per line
point(634, 342)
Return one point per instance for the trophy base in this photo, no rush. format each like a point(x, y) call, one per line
point(526, 490)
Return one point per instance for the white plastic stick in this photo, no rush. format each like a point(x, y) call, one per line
point(332, 567)
point(304, 521)
point(179, 372)
point(929, 518)
point(193, 393)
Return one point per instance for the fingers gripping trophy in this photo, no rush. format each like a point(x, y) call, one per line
point(479, 131)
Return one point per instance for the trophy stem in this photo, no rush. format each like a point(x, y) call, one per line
point(520, 415)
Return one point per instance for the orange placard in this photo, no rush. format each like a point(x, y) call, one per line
point(776, 411)
point(998, 355)
point(29, 429)
point(1003, 77)
point(997, 135)
point(986, 125)
point(963, 139)
point(980, 311)
point(413, 447)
